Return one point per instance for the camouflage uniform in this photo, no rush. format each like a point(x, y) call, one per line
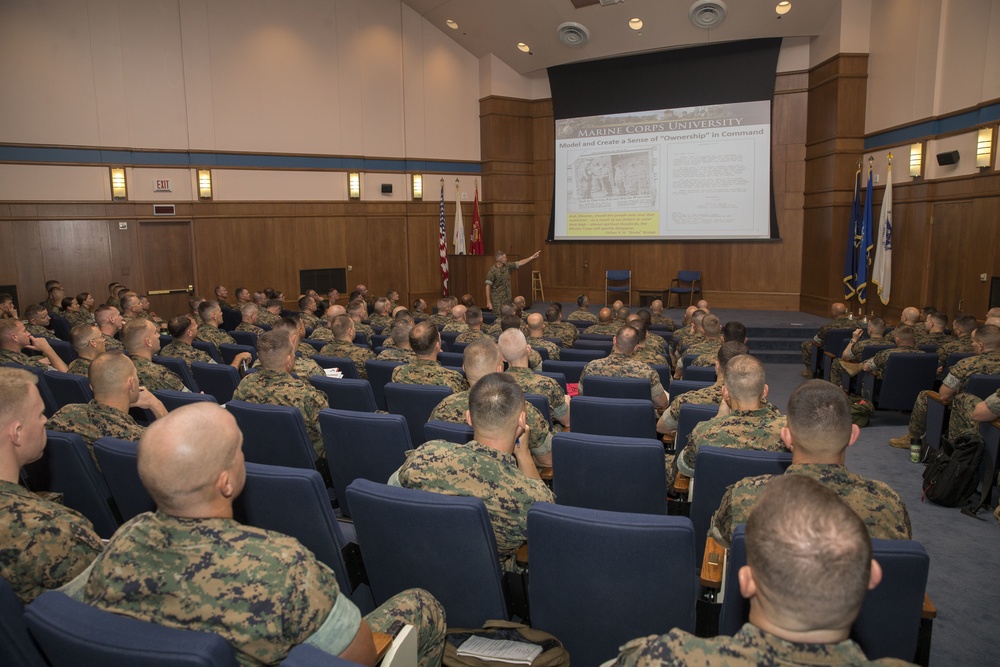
point(853, 355)
point(439, 319)
point(620, 365)
point(45, 545)
point(953, 345)
point(82, 316)
point(155, 377)
point(879, 361)
point(582, 316)
point(224, 305)
point(111, 343)
point(749, 646)
point(460, 327)
point(323, 333)
point(711, 395)
point(308, 320)
point(266, 317)
point(114, 302)
point(384, 321)
point(937, 339)
point(532, 383)
point(475, 470)
point(360, 327)
point(424, 371)
point(820, 337)
point(263, 592)
point(962, 407)
point(564, 331)
point(662, 320)
point(94, 420)
point(704, 346)
point(987, 363)
point(214, 335)
point(359, 355)
point(80, 366)
point(453, 408)
point(185, 352)
point(38, 331)
point(250, 328)
point(657, 342)
point(550, 348)
point(471, 335)
point(875, 502)
point(267, 387)
point(21, 359)
point(395, 354)
point(741, 429)
point(304, 367)
point(534, 360)
point(498, 278)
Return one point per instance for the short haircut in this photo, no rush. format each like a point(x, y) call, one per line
point(207, 307)
point(623, 312)
point(7, 325)
point(729, 351)
point(104, 313)
point(626, 339)
point(381, 305)
point(645, 316)
point(304, 301)
point(734, 331)
point(513, 345)
point(81, 335)
point(712, 326)
point(480, 357)
point(939, 319)
point(876, 325)
point(403, 315)
point(33, 311)
point(178, 325)
point(248, 309)
point(510, 322)
point(273, 347)
point(474, 315)
point(745, 378)
point(14, 383)
point(809, 552)
point(819, 416)
point(640, 330)
point(109, 371)
point(967, 323)
point(698, 317)
point(498, 254)
point(135, 333)
point(357, 307)
point(419, 305)
point(49, 284)
point(580, 300)
point(495, 402)
point(400, 332)
point(341, 326)
point(129, 300)
point(423, 337)
point(988, 335)
point(903, 334)
point(274, 303)
point(552, 314)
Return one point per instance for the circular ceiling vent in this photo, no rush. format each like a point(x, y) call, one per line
point(707, 13)
point(573, 34)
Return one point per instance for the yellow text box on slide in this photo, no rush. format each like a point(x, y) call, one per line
point(625, 223)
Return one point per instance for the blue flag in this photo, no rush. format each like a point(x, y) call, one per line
point(853, 242)
point(866, 245)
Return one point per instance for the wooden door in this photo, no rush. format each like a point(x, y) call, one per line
point(960, 251)
point(167, 265)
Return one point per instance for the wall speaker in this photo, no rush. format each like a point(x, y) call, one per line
point(387, 188)
point(948, 157)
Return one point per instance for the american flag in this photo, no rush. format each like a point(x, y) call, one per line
point(443, 245)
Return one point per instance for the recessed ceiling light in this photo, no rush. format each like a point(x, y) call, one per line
point(451, 24)
point(635, 24)
point(523, 47)
point(783, 7)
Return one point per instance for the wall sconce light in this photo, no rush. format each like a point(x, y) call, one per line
point(204, 184)
point(417, 186)
point(916, 159)
point(984, 148)
point(118, 190)
point(354, 185)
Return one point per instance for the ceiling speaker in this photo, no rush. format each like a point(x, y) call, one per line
point(707, 13)
point(573, 34)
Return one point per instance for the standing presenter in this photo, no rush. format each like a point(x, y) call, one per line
point(498, 279)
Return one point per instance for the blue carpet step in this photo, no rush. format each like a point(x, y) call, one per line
point(760, 344)
point(778, 356)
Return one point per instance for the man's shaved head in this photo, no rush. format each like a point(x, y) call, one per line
point(180, 460)
point(513, 346)
point(480, 358)
point(745, 378)
point(536, 322)
point(604, 315)
point(109, 373)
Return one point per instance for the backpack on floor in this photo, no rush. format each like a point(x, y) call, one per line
point(861, 410)
point(952, 473)
point(553, 653)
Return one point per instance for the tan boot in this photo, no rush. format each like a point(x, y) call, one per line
point(900, 443)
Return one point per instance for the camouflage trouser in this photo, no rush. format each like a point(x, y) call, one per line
point(962, 407)
point(918, 418)
point(418, 608)
point(807, 346)
point(837, 371)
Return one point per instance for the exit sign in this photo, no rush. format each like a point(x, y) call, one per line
point(161, 185)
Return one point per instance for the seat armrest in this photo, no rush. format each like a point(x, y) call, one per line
point(929, 610)
point(713, 563)
point(935, 396)
point(682, 484)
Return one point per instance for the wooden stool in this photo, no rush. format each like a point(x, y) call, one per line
point(536, 286)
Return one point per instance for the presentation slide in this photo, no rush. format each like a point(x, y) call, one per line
point(693, 173)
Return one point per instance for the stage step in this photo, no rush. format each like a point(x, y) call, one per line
point(779, 356)
point(778, 345)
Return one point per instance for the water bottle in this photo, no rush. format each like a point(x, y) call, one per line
point(914, 451)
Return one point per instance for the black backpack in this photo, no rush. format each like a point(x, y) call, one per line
point(952, 473)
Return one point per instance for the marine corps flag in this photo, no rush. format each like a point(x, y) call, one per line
point(853, 241)
point(476, 247)
point(866, 239)
point(443, 244)
point(882, 266)
point(459, 235)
